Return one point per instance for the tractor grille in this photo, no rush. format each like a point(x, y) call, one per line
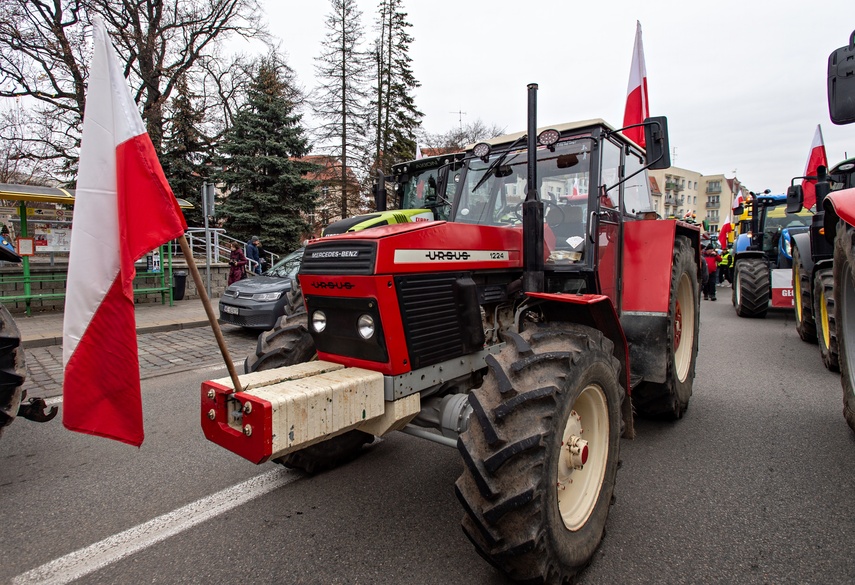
point(339, 257)
point(440, 315)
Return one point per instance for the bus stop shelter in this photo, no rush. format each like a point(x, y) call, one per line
point(28, 287)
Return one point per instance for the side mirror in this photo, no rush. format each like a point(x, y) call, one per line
point(841, 83)
point(738, 211)
point(795, 198)
point(656, 139)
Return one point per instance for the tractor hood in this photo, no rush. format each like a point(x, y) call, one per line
point(413, 248)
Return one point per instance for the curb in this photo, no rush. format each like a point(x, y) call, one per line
point(50, 341)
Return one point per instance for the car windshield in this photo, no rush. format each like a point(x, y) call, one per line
point(777, 220)
point(287, 267)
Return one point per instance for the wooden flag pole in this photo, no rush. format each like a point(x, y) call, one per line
point(206, 302)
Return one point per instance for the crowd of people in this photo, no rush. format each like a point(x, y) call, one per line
point(717, 268)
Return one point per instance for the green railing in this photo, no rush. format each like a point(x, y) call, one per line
point(32, 283)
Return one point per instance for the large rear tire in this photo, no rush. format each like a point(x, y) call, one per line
point(751, 287)
point(13, 368)
point(844, 308)
point(823, 308)
point(536, 496)
point(802, 302)
point(671, 399)
point(287, 344)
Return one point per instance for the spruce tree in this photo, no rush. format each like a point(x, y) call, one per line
point(395, 117)
point(185, 150)
point(266, 193)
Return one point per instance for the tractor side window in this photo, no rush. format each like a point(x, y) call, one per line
point(636, 191)
point(610, 173)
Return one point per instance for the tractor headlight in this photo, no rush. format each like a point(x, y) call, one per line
point(365, 326)
point(319, 321)
point(272, 296)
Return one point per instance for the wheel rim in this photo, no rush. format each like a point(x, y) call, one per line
point(846, 329)
point(823, 319)
point(578, 489)
point(797, 291)
point(684, 337)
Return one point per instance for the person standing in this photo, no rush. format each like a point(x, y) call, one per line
point(712, 258)
point(252, 254)
point(237, 264)
point(262, 258)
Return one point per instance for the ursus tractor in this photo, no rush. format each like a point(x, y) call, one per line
point(523, 331)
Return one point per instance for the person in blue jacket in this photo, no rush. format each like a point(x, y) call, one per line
point(252, 254)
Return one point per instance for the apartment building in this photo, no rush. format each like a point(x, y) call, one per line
point(677, 192)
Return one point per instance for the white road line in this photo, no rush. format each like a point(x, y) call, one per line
point(114, 548)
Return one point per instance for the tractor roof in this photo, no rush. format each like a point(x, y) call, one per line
point(562, 128)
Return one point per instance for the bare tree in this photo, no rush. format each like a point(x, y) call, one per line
point(458, 138)
point(44, 57)
point(339, 101)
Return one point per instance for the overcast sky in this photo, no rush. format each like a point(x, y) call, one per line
point(743, 83)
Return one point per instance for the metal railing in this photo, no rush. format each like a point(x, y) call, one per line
point(220, 247)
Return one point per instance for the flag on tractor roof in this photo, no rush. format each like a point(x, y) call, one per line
point(123, 209)
point(637, 107)
point(816, 159)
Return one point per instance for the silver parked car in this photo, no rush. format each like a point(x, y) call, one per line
point(257, 302)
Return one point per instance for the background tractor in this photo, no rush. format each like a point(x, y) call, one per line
point(839, 225)
point(762, 254)
point(522, 331)
point(813, 265)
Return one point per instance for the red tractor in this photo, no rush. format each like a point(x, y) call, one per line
point(524, 332)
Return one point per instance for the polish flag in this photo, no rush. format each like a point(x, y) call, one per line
point(123, 209)
point(575, 194)
point(816, 159)
point(739, 200)
point(725, 229)
point(637, 106)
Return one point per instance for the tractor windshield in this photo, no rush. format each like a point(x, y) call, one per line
point(492, 194)
point(777, 220)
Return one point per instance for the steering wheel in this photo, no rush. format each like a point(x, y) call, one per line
point(547, 204)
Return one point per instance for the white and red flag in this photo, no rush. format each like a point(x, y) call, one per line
point(725, 229)
point(123, 209)
point(637, 107)
point(738, 200)
point(816, 159)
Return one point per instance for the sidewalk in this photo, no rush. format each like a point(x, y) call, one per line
point(45, 329)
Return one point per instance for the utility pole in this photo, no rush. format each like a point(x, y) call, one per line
point(208, 190)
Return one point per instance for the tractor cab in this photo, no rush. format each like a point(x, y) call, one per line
point(427, 183)
point(578, 176)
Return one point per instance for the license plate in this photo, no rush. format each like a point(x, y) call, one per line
point(230, 310)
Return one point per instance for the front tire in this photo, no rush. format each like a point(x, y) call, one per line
point(844, 312)
point(751, 288)
point(13, 369)
point(671, 399)
point(805, 324)
point(823, 308)
point(287, 344)
point(536, 496)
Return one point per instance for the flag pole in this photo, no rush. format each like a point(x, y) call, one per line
point(209, 310)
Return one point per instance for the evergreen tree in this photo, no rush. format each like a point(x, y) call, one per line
point(265, 191)
point(185, 150)
point(340, 100)
point(395, 116)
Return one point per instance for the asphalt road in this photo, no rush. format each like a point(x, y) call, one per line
point(754, 485)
